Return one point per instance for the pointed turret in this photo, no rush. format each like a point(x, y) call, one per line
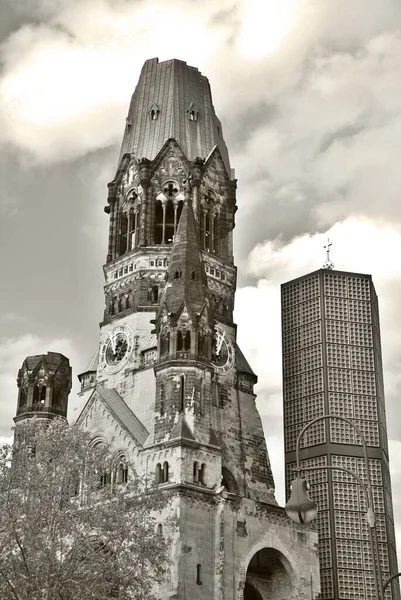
point(186, 276)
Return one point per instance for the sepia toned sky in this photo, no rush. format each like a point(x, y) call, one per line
point(309, 95)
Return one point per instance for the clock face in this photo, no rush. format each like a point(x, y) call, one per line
point(223, 354)
point(116, 349)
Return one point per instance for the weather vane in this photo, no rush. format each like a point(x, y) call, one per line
point(328, 264)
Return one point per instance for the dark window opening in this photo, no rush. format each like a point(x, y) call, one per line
point(159, 529)
point(165, 472)
point(36, 394)
point(177, 274)
point(153, 294)
point(123, 233)
point(198, 574)
point(182, 393)
point(179, 340)
point(122, 472)
point(153, 114)
point(159, 478)
point(187, 341)
point(164, 343)
point(105, 479)
point(42, 397)
point(158, 223)
point(201, 474)
point(170, 223)
point(193, 275)
point(195, 472)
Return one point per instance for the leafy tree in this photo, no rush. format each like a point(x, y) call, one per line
point(68, 529)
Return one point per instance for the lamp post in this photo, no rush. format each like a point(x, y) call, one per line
point(301, 509)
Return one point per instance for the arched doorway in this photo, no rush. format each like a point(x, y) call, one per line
point(268, 576)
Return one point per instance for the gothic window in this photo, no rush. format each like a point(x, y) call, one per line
point(187, 341)
point(177, 274)
point(193, 275)
point(104, 479)
point(164, 343)
point(209, 224)
point(165, 472)
point(121, 475)
point(36, 394)
point(159, 478)
point(159, 529)
point(182, 393)
point(159, 223)
point(42, 396)
point(154, 112)
point(169, 223)
point(123, 232)
point(179, 340)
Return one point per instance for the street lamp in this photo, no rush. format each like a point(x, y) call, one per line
point(301, 509)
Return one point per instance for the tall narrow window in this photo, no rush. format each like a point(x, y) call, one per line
point(179, 340)
point(123, 232)
point(165, 472)
point(187, 342)
point(198, 574)
point(169, 224)
point(159, 223)
point(122, 472)
point(42, 398)
point(161, 400)
point(201, 475)
point(195, 472)
point(36, 394)
point(154, 295)
point(182, 393)
point(158, 475)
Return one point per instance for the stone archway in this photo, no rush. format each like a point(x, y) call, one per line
point(268, 576)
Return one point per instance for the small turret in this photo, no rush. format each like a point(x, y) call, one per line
point(44, 383)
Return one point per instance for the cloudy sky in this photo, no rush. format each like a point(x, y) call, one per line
point(309, 93)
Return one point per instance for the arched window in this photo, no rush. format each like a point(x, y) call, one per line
point(177, 274)
point(105, 479)
point(36, 394)
point(159, 529)
point(123, 232)
point(179, 340)
point(165, 472)
point(195, 472)
point(42, 397)
point(159, 222)
point(159, 473)
point(121, 475)
point(193, 275)
point(182, 393)
point(198, 574)
point(187, 340)
point(169, 223)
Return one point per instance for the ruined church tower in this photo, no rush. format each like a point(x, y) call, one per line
point(169, 387)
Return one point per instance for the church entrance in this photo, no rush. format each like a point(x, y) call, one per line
point(268, 577)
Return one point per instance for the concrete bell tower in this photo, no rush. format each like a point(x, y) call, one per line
point(171, 387)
